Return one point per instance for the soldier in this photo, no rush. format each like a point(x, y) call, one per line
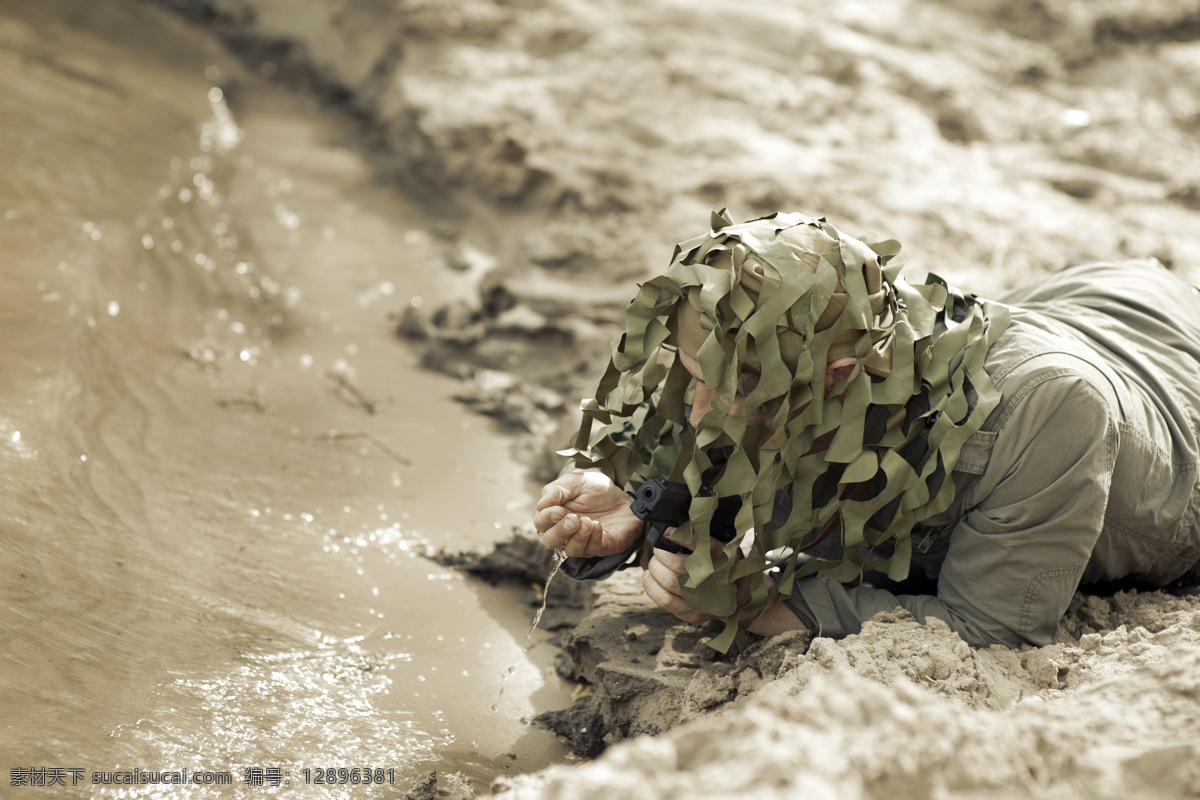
point(852, 443)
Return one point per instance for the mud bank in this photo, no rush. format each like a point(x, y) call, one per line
point(576, 142)
point(653, 673)
point(909, 711)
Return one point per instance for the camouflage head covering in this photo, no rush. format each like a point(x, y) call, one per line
point(781, 297)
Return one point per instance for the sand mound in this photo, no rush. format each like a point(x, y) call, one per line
point(905, 710)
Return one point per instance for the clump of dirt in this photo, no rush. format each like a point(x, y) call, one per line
point(447, 786)
point(581, 724)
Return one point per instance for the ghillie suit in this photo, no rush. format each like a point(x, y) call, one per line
point(781, 297)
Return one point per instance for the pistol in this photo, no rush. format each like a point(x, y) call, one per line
point(665, 504)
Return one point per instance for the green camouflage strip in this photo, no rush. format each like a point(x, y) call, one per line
point(636, 426)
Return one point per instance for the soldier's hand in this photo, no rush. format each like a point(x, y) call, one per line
point(585, 514)
point(660, 581)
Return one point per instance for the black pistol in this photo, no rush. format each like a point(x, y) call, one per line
point(665, 504)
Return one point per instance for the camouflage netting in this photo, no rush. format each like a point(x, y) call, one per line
point(780, 297)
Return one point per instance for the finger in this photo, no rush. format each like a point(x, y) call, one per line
point(663, 575)
point(553, 494)
point(559, 534)
point(547, 518)
point(670, 602)
point(591, 528)
point(658, 593)
point(578, 537)
point(672, 561)
point(588, 540)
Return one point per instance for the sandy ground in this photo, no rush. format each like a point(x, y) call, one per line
point(570, 145)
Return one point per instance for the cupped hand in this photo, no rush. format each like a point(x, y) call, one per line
point(585, 514)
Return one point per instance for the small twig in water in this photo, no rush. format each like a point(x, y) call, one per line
point(337, 436)
point(251, 400)
point(353, 391)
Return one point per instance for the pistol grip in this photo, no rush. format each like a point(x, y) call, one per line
point(657, 537)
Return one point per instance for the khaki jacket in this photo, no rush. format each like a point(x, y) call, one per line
point(1086, 472)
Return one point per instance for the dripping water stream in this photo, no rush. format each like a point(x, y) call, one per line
point(559, 557)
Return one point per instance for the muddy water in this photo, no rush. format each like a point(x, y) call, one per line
point(217, 466)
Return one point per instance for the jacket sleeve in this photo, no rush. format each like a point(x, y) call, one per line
point(598, 568)
point(1015, 559)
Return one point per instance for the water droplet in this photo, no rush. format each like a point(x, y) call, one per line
point(1076, 117)
point(286, 217)
point(114, 308)
point(147, 241)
